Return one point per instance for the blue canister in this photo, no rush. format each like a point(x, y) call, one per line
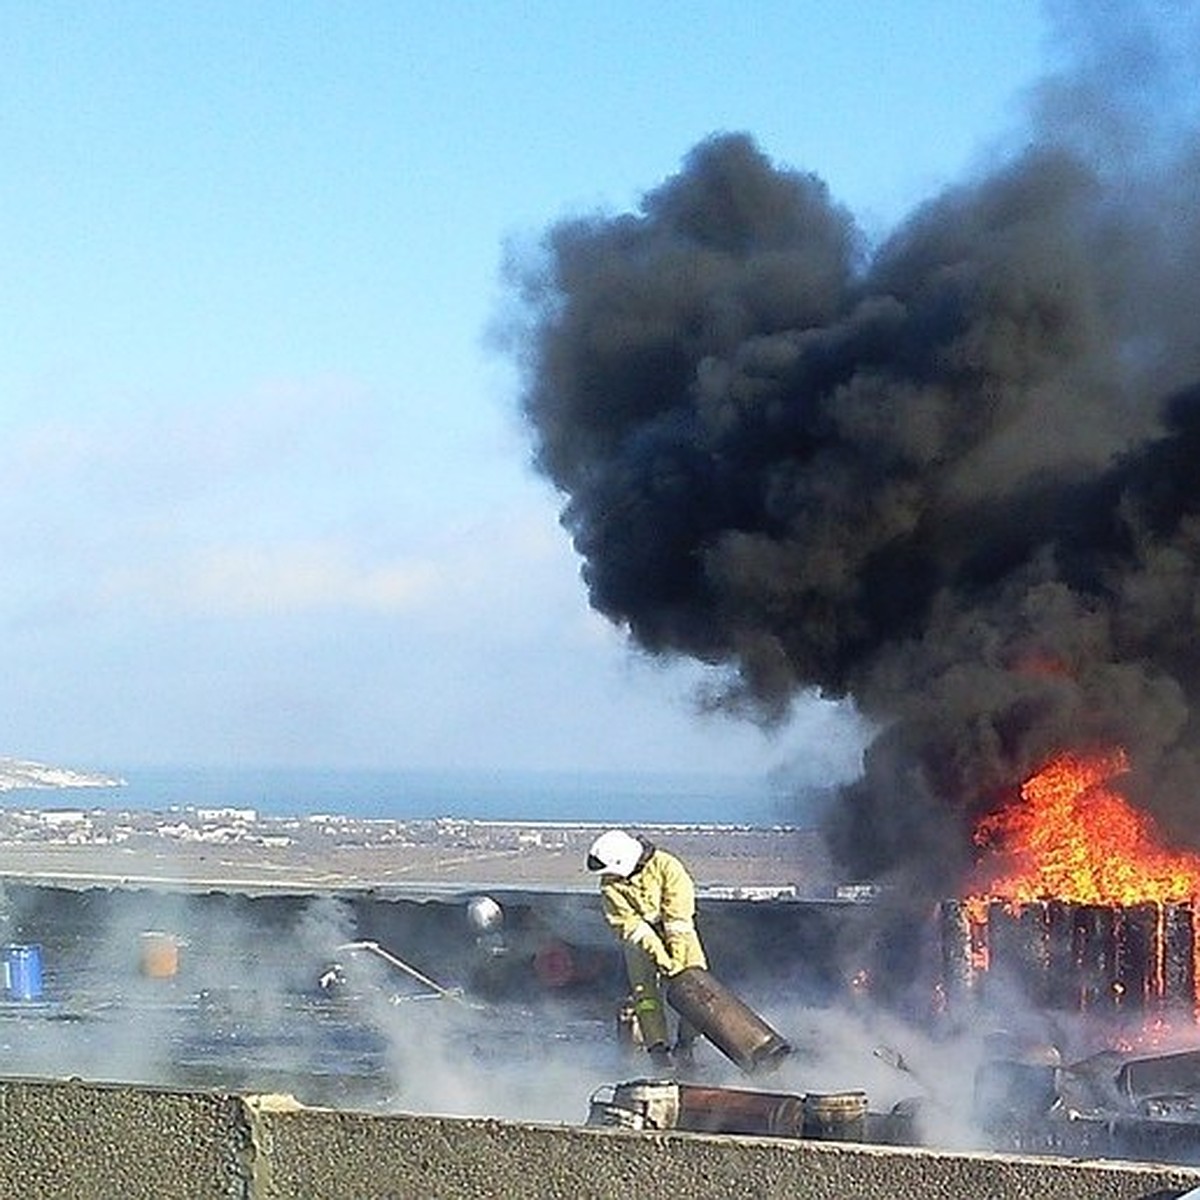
point(22, 972)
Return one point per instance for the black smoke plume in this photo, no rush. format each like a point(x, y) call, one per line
point(954, 476)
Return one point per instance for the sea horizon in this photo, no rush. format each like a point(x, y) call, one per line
point(626, 797)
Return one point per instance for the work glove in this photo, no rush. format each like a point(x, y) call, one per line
point(673, 965)
point(662, 957)
point(677, 955)
point(654, 946)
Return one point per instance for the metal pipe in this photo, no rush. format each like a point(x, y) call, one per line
point(388, 957)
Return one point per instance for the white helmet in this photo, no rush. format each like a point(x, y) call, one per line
point(615, 852)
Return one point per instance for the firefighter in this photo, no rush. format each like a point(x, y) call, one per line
point(649, 901)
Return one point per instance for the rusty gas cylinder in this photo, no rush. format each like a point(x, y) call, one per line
point(731, 1025)
point(736, 1110)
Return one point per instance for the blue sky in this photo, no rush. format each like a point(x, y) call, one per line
point(265, 490)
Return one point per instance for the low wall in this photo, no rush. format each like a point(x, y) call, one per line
point(89, 1142)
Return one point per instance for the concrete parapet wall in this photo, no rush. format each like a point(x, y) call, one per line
point(90, 1142)
point(318, 1153)
point(83, 1142)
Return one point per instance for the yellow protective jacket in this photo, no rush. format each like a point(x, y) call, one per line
point(655, 908)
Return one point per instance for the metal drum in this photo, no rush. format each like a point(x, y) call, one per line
point(836, 1116)
point(23, 972)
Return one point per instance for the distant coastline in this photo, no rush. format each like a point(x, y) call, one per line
point(20, 774)
point(617, 796)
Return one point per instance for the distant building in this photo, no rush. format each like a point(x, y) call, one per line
point(859, 892)
point(753, 891)
point(244, 815)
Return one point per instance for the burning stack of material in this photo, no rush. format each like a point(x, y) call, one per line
point(1079, 907)
point(1100, 958)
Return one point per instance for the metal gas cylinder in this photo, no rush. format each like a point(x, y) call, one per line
point(734, 1110)
point(731, 1025)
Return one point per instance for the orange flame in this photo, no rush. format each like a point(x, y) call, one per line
point(1072, 837)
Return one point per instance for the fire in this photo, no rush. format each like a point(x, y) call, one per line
point(1071, 837)
point(1078, 903)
